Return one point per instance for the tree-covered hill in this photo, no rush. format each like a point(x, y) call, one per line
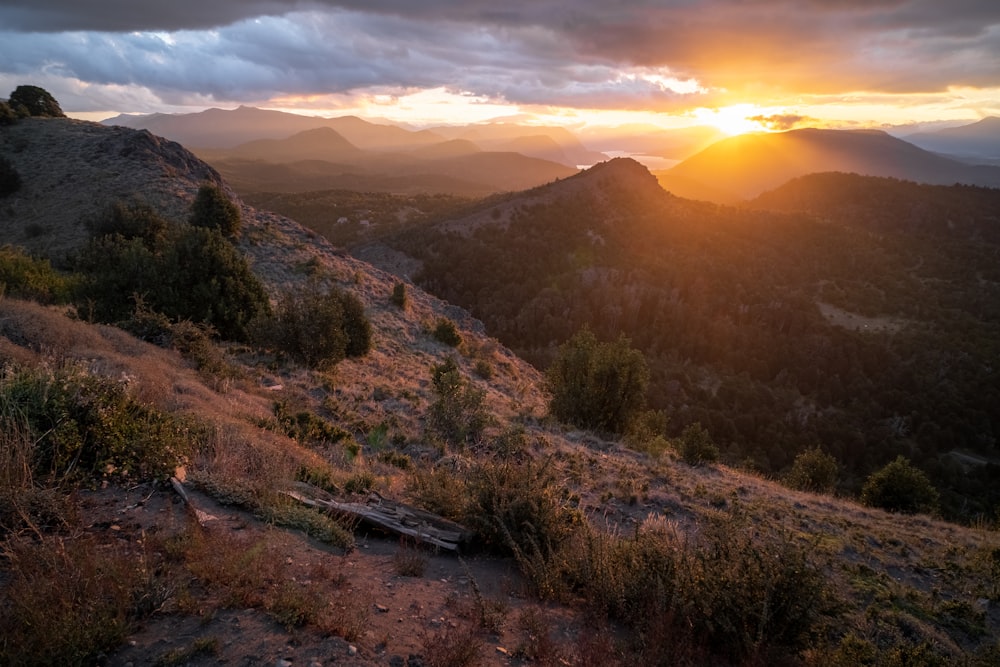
point(858, 332)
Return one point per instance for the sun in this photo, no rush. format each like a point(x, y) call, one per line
point(733, 120)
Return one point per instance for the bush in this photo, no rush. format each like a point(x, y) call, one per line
point(458, 415)
point(7, 114)
point(724, 591)
point(446, 332)
point(24, 277)
point(399, 295)
point(185, 273)
point(813, 470)
point(900, 487)
point(696, 446)
point(318, 326)
point(35, 101)
point(597, 385)
point(10, 180)
point(212, 209)
point(87, 426)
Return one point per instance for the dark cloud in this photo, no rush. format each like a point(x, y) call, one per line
point(586, 53)
point(782, 121)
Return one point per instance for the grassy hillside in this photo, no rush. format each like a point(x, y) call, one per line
point(582, 549)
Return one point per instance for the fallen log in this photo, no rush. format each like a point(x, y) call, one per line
point(395, 517)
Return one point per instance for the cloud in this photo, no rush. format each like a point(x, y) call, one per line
point(782, 121)
point(581, 53)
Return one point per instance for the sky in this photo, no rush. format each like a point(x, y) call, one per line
point(739, 65)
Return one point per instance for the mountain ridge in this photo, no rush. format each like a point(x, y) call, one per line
point(746, 165)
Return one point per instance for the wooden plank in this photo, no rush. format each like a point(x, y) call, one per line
point(395, 517)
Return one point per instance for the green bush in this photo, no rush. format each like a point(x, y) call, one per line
point(399, 295)
point(446, 332)
point(900, 487)
point(458, 415)
point(25, 277)
point(10, 179)
point(597, 385)
point(35, 101)
point(87, 426)
point(813, 470)
point(317, 325)
point(696, 446)
point(212, 209)
point(185, 273)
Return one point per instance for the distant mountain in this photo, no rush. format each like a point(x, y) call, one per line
point(219, 128)
point(322, 143)
point(553, 143)
point(322, 159)
point(744, 166)
point(978, 140)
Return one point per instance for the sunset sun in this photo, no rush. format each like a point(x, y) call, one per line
point(733, 120)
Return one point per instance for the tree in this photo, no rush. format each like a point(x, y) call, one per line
point(213, 209)
point(696, 445)
point(317, 326)
point(813, 470)
point(900, 487)
point(597, 385)
point(35, 101)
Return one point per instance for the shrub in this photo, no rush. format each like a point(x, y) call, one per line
point(185, 273)
point(696, 446)
point(25, 277)
point(597, 385)
point(813, 470)
point(10, 179)
point(446, 332)
point(318, 326)
point(458, 415)
point(35, 101)
point(84, 425)
point(212, 209)
point(7, 114)
point(519, 508)
point(726, 590)
point(900, 487)
point(399, 295)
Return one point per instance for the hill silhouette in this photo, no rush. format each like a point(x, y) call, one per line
point(744, 166)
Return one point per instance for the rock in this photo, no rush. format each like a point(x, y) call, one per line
point(352, 650)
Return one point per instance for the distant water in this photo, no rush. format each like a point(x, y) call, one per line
point(651, 162)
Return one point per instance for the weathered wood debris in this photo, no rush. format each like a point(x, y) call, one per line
point(395, 517)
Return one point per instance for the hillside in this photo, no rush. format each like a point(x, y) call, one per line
point(775, 331)
point(582, 550)
point(744, 166)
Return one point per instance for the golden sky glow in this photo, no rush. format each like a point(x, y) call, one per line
point(737, 66)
